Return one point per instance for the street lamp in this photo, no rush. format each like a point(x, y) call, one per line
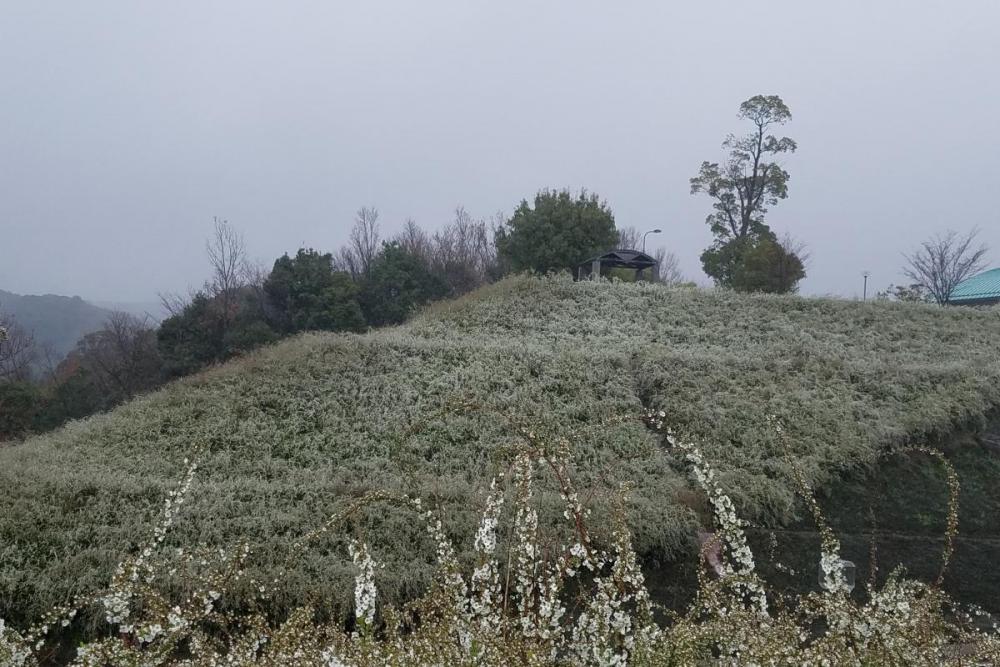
point(651, 231)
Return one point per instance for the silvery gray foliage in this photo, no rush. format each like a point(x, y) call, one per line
point(295, 428)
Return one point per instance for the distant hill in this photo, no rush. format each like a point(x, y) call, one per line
point(59, 321)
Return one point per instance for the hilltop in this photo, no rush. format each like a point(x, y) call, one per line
point(289, 434)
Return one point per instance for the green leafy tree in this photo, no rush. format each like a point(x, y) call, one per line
point(398, 282)
point(558, 233)
point(304, 293)
point(743, 188)
point(768, 266)
point(186, 340)
point(20, 401)
point(72, 395)
point(224, 318)
point(209, 330)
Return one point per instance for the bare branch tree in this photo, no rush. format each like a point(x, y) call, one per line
point(364, 239)
point(362, 246)
point(255, 274)
point(48, 361)
point(173, 304)
point(122, 357)
point(345, 260)
point(414, 240)
point(669, 271)
point(943, 261)
point(796, 248)
point(231, 272)
point(464, 252)
point(18, 351)
point(628, 238)
point(228, 258)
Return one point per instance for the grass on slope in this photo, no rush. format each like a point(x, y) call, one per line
point(292, 433)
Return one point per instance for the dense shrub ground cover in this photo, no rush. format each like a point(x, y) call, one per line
point(295, 432)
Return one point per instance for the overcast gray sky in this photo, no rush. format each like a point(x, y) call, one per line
point(125, 126)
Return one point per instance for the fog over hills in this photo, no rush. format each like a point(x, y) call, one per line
point(56, 321)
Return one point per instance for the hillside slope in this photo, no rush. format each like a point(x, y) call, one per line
point(290, 434)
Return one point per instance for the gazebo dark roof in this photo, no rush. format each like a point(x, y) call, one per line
point(622, 258)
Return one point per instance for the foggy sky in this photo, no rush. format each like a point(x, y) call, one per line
point(125, 127)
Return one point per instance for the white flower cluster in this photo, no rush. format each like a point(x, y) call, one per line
point(448, 565)
point(13, 652)
point(117, 602)
point(832, 569)
point(739, 559)
point(329, 658)
point(607, 630)
point(526, 561)
point(364, 586)
point(150, 632)
point(486, 576)
point(176, 621)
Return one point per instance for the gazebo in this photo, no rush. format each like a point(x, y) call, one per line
point(620, 258)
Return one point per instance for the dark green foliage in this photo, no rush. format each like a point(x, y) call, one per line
point(767, 266)
point(558, 233)
point(187, 340)
point(742, 189)
point(900, 503)
point(72, 395)
point(248, 333)
point(398, 282)
point(204, 333)
point(19, 403)
point(305, 293)
point(749, 181)
point(754, 264)
point(723, 259)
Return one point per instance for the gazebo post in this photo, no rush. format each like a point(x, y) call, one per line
point(595, 270)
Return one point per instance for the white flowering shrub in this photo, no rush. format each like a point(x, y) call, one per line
point(297, 428)
point(323, 424)
point(525, 601)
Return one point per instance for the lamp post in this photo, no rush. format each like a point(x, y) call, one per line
point(864, 294)
point(651, 231)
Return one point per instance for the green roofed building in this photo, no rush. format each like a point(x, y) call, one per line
point(980, 290)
